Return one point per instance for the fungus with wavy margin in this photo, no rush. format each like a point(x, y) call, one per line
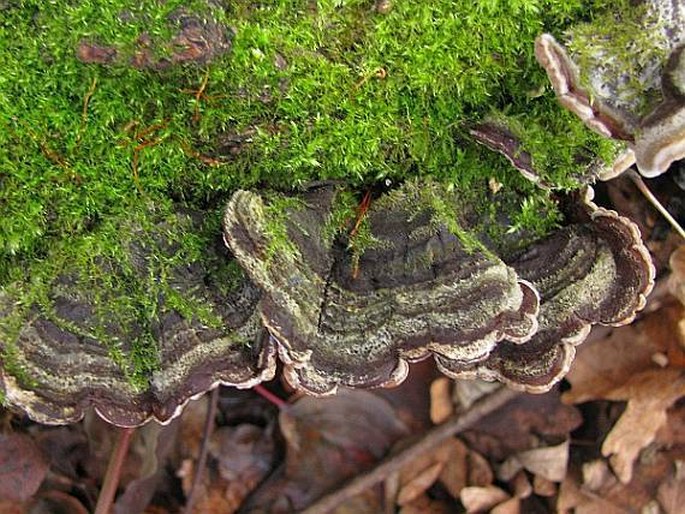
point(627, 94)
point(593, 271)
point(417, 291)
point(69, 352)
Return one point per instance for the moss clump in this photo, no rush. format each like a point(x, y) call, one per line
point(276, 211)
point(309, 91)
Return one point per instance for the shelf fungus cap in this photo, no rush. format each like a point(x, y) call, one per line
point(72, 351)
point(596, 271)
point(623, 89)
point(346, 316)
point(564, 75)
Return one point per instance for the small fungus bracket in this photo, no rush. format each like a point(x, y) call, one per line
point(593, 271)
point(616, 92)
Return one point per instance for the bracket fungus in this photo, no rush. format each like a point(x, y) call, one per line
point(74, 347)
point(421, 290)
point(626, 88)
point(416, 290)
point(596, 270)
point(338, 309)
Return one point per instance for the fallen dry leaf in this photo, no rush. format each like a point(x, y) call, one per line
point(649, 394)
point(524, 423)
point(452, 463)
point(477, 499)
point(243, 456)
point(328, 440)
point(604, 364)
point(548, 462)
point(597, 475)
point(672, 432)
point(419, 484)
point(67, 448)
point(426, 505)
point(13, 507)
point(243, 453)
point(442, 406)
point(544, 487)
point(671, 493)
point(521, 485)
point(676, 281)
point(600, 492)
point(510, 506)
point(367, 502)
point(464, 467)
point(572, 499)
point(23, 467)
point(214, 501)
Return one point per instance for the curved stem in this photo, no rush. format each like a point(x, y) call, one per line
point(116, 462)
point(637, 180)
point(204, 450)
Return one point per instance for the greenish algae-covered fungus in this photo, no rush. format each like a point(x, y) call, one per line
point(595, 270)
point(420, 289)
point(135, 335)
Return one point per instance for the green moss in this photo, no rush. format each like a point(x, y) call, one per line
point(276, 212)
point(349, 220)
point(344, 212)
point(309, 91)
point(568, 165)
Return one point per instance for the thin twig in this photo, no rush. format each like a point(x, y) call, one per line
point(637, 180)
point(428, 442)
point(198, 96)
point(113, 473)
point(204, 450)
point(84, 113)
point(269, 396)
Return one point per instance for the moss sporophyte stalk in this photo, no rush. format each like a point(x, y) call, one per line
point(126, 126)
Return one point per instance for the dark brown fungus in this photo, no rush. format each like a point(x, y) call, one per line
point(81, 347)
point(564, 76)
point(594, 271)
point(416, 290)
point(499, 138)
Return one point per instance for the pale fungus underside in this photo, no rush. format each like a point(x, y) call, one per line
point(127, 130)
